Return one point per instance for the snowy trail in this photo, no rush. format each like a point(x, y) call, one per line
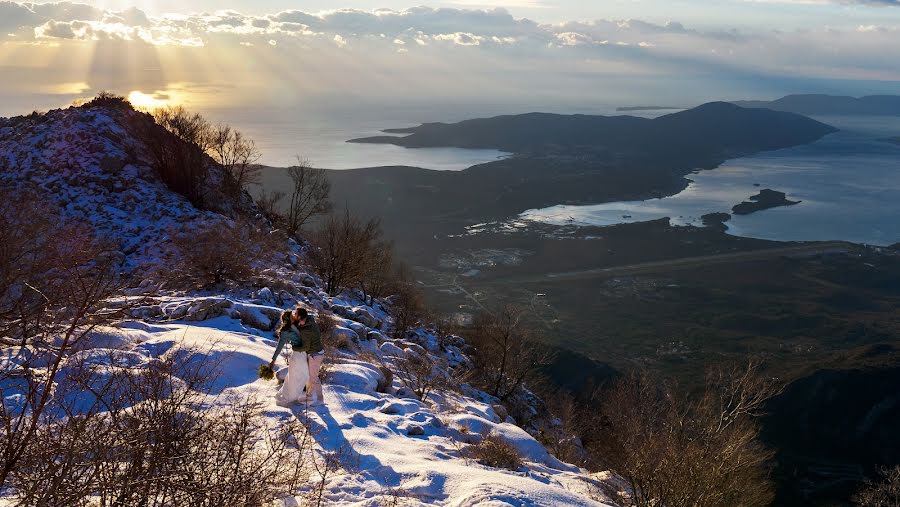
point(368, 431)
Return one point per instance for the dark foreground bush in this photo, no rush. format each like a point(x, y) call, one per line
point(494, 451)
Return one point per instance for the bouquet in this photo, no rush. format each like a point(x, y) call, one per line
point(265, 372)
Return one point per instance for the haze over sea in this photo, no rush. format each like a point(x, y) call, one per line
point(848, 182)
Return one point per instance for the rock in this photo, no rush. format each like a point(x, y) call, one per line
point(415, 430)
point(501, 411)
point(437, 423)
point(207, 309)
point(360, 330)
point(386, 380)
point(391, 408)
point(375, 335)
point(418, 349)
point(264, 294)
point(363, 315)
point(390, 349)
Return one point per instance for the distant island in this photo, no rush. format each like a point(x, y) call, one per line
point(817, 104)
point(765, 199)
point(716, 220)
point(716, 130)
point(648, 108)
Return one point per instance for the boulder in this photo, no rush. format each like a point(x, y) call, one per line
point(360, 330)
point(390, 349)
point(501, 411)
point(415, 430)
point(365, 316)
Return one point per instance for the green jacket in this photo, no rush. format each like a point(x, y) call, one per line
point(304, 339)
point(311, 338)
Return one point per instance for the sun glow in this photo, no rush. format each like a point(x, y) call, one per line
point(142, 100)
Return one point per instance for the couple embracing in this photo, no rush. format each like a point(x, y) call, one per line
point(299, 330)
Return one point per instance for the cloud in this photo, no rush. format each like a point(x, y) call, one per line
point(490, 47)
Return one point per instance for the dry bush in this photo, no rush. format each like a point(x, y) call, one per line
point(343, 244)
point(55, 280)
point(494, 451)
point(562, 439)
point(407, 305)
point(675, 450)
point(145, 436)
point(420, 373)
point(230, 252)
point(106, 99)
point(326, 322)
point(507, 355)
point(267, 202)
point(885, 493)
point(377, 276)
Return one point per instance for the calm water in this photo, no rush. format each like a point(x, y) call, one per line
point(849, 183)
point(320, 135)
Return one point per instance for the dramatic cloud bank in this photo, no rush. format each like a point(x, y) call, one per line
point(422, 51)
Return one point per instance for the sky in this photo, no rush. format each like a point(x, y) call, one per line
point(553, 54)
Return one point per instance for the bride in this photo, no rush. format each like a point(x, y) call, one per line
point(292, 390)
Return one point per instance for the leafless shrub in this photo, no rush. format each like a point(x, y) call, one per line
point(145, 436)
point(675, 450)
point(307, 198)
point(885, 493)
point(227, 253)
point(54, 285)
point(105, 99)
point(562, 439)
point(494, 451)
point(420, 373)
point(268, 205)
point(407, 304)
point(343, 244)
point(506, 355)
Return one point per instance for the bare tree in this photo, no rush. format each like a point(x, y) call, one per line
point(407, 303)
point(177, 142)
point(308, 197)
point(343, 244)
point(506, 354)
point(680, 451)
point(237, 155)
point(376, 277)
point(141, 436)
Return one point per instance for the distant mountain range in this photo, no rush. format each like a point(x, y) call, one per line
point(881, 105)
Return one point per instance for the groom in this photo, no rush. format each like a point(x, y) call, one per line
point(315, 352)
point(311, 343)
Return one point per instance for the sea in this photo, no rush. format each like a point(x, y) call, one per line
point(848, 184)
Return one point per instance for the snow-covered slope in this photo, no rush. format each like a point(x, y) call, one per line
point(401, 447)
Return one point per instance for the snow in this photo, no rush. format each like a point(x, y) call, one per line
point(394, 444)
point(367, 428)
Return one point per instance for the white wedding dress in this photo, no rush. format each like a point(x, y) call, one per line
point(295, 383)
